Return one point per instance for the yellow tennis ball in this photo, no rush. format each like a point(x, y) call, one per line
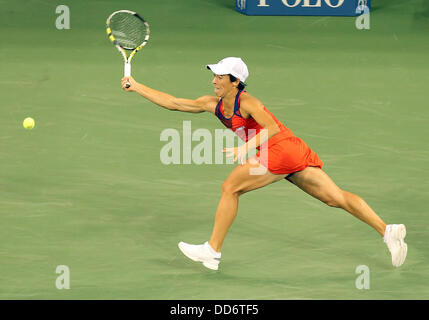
point(28, 123)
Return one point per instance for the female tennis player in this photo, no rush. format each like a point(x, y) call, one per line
point(284, 156)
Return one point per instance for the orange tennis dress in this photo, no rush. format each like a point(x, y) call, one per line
point(284, 153)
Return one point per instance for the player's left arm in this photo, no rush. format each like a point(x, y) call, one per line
point(253, 107)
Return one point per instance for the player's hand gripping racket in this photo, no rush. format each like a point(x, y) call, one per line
point(129, 32)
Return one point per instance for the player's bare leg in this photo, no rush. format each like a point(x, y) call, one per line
point(318, 184)
point(241, 180)
point(238, 182)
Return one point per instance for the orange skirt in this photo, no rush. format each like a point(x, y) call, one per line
point(288, 156)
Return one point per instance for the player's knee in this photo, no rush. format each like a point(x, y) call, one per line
point(335, 201)
point(230, 188)
point(352, 199)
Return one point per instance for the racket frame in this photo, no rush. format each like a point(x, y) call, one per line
point(122, 50)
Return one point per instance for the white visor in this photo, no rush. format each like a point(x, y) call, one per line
point(231, 65)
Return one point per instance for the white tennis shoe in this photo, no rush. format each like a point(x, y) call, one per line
point(201, 253)
point(394, 238)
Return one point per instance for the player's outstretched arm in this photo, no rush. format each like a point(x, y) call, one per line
point(165, 100)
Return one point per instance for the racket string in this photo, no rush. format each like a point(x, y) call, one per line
point(128, 30)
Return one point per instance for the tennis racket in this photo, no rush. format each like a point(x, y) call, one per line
point(129, 33)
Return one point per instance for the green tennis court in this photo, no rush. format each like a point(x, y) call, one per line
point(86, 188)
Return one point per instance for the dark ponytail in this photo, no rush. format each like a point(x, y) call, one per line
point(241, 85)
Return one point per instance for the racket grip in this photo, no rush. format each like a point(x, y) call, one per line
point(127, 69)
point(127, 73)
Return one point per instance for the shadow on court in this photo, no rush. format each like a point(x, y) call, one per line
point(225, 3)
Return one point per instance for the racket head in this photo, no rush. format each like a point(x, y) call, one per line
point(128, 30)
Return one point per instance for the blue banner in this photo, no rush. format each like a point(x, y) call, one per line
point(301, 7)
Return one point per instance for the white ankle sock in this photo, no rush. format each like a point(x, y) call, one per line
point(212, 251)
